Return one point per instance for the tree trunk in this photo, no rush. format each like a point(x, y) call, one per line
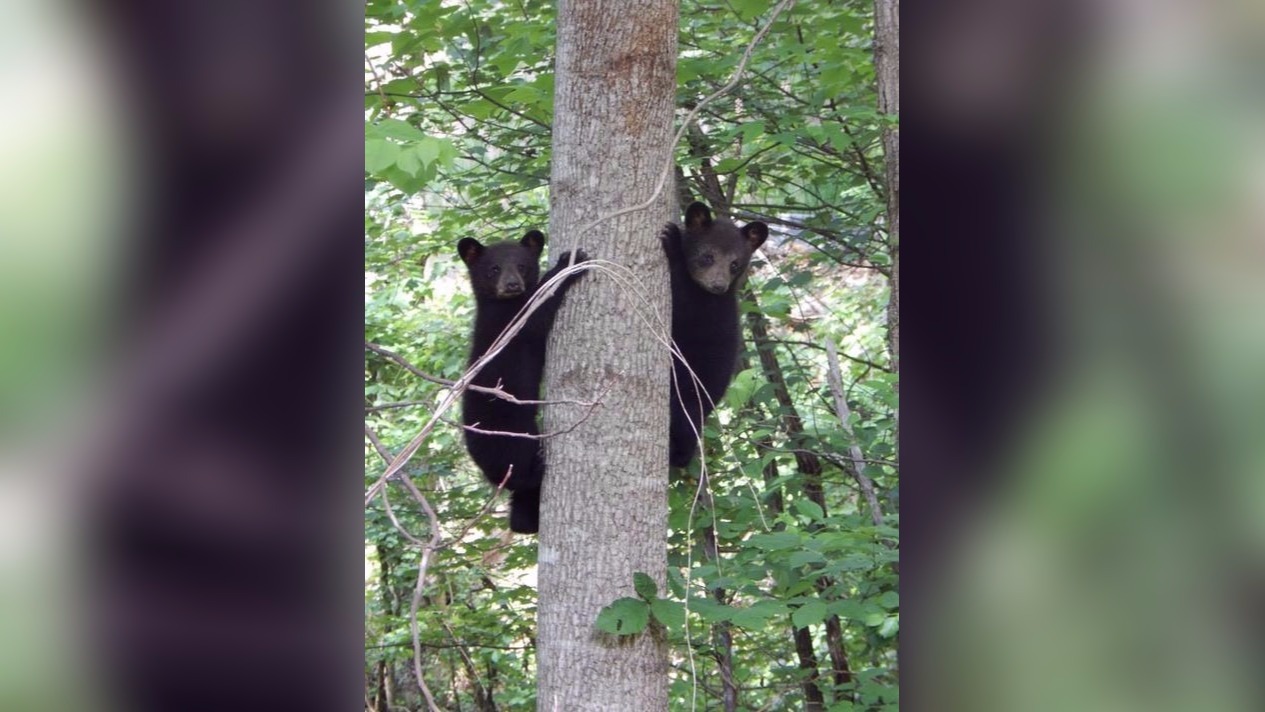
point(887, 70)
point(604, 504)
point(813, 700)
point(810, 469)
point(722, 634)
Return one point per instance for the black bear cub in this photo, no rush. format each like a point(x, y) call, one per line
point(705, 260)
point(504, 276)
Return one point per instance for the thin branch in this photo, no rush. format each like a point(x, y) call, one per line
point(428, 549)
point(854, 451)
point(497, 391)
point(393, 406)
point(442, 646)
point(519, 114)
point(474, 427)
point(482, 696)
point(811, 345)
point(383, 452)
point(422, 566)
point(487, 507)
point(386, 500)
point(377, 78)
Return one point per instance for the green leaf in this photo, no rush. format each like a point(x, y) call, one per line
point(670, 613)
point(743, 386)
point(756, 615)
point(690, 68)
point(396, 129)
point(810, 509)
point(409, 162)
point(854, 562)
point(379, 155)
point(749, 9)
point(373, 39)
point(407, 183)
point(777, 541)
point(428, 150)
point(833, 133)
point(626, 616)
point(785, 138)
point(814, 611)
point(710, 610)
point(645, 586)
point(752, 130)
point(481, 109)
point(400, 86)
point(801, 558)
point(676, 583)
point(889, 627)
point(524, 94)
point(848, 609)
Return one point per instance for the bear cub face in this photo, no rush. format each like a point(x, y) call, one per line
point(504, 270)
point(716, 251)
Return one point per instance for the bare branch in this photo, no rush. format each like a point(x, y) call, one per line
point(386, 501)
point(854, 451)
point(428, 550)
point(545, 291)
point(498, 391)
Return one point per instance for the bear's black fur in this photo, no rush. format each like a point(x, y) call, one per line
point(705, 261)
point(503, 277)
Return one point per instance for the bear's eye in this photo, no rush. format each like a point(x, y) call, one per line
point(706, 260)
point(522, 269)
point(496, 269)
point(733, 267)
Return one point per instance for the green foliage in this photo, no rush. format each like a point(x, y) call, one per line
point(626, 616)
point(644, 586)
point(671, 614)
point(458, 100)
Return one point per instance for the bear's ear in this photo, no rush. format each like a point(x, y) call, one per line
point(470, 249)
point(534, 241)
point(698, 216)
point(756, 233)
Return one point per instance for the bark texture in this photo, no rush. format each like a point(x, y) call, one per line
point(887, 71)
point(604, 506)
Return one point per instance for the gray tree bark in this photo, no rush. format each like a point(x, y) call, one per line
point(887, 71)
point(604, 504)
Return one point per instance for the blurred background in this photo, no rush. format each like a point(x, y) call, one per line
point(179, 333)
point(1083, 506)
point(1095, 426)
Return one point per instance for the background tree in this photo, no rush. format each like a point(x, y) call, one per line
point(788, 580)
point(887, 64)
